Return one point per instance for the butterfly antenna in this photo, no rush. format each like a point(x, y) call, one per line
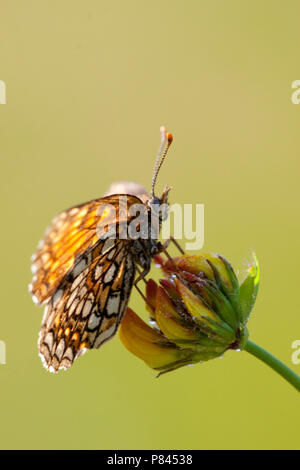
point(166, 140)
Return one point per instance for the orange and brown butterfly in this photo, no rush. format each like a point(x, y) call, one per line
point(83, 271)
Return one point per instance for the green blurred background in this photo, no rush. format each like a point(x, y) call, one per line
point(88, 85)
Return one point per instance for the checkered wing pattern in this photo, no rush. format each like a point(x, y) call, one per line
point(84, 278)
point(88, 305)
point(70, 235)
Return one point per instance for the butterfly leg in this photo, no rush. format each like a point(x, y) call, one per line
point(164, 250)
point(141, 293)
point(142, 275)
point(172, 239)
point(167, 243)
point(142, 259)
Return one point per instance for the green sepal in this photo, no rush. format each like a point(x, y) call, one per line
point(220, 332)
point(248, 290)
point(203, 345)
point(221, 304)
point(232, 296)
point(194, 358)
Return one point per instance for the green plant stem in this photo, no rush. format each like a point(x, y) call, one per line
point(274, 363)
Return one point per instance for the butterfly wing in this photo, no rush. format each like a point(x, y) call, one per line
point(88, 305)
point(70, 235)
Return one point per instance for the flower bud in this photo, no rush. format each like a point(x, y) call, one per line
point(198, 312)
